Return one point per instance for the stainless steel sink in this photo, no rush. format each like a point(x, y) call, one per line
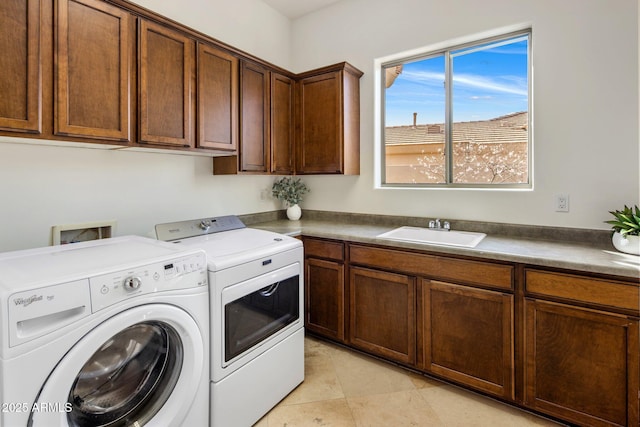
point(429, 236)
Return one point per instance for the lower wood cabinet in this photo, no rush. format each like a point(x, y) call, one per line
point(324, 302)
point(382, 315)
point(468, 336)
point(581, 365)
point(561, 343)
point(325, 288)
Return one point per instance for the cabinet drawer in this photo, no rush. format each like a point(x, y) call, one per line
point(498, 276)
point(323, 249)
point(609, 293)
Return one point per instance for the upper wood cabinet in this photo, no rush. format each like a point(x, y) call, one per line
point(115, 73)
point(282, 123)
point(217, 99)
point(266, 123)
point(165, 67)
point(328, 139)
point(20, 75)
point(93, 52)
point(254, 118)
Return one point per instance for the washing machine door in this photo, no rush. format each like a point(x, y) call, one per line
point(140, 367)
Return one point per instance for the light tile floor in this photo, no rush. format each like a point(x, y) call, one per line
point(343, 388)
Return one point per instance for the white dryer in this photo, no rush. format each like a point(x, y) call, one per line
point(256, 291)
point(112, 333)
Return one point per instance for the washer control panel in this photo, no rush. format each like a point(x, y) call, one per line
point(180, 273)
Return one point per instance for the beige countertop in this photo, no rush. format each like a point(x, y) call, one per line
point(593, 257)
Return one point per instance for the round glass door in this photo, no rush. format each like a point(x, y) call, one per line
point(128, 379)
point(142, 366)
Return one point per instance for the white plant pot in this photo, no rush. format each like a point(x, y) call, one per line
point(294, 212)
point(628, 244)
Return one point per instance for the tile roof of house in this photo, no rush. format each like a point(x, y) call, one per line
point(503, 129)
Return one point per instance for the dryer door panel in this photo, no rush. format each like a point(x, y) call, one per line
point(140, 367)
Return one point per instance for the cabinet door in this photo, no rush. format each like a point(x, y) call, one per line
point(165, 69)
point(254, 118)
point(20, 78)
point(217, 99)
point(581, 365)
point(382, 309)
point(320, 143)
point(282, 106)
point(93, 54)
point(324, 298)
point(468, 335)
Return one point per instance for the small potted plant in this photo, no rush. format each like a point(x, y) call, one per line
point(626, 230)
point(290, 191)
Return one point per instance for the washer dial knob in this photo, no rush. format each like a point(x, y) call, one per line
point(132, 283)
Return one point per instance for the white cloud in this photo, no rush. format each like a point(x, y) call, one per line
point(509, 84)
point(428, 77)
point(504, 84)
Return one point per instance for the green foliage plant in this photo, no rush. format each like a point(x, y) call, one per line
point(627, 221)
point(289, 190)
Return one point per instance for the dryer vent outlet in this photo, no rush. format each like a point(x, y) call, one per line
point(74, 233)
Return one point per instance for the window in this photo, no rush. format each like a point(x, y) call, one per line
point(459, 117)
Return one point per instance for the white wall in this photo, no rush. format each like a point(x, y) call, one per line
point(585, 59)
point(248, 25)
point(586, 129)
point(42, 186)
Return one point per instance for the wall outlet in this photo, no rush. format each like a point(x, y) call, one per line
point(265, 194)
point(562, 203)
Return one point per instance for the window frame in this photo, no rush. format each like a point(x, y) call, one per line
point(446, 51)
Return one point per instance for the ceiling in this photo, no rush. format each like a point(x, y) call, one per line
point(296, 8)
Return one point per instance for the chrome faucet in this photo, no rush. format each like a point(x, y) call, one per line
point(435, 224)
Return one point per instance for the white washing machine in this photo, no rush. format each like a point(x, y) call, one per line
point(112, 333)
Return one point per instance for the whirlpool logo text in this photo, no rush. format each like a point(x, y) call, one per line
point(27, 301)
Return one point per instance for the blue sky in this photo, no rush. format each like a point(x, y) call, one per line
point(487, 83)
